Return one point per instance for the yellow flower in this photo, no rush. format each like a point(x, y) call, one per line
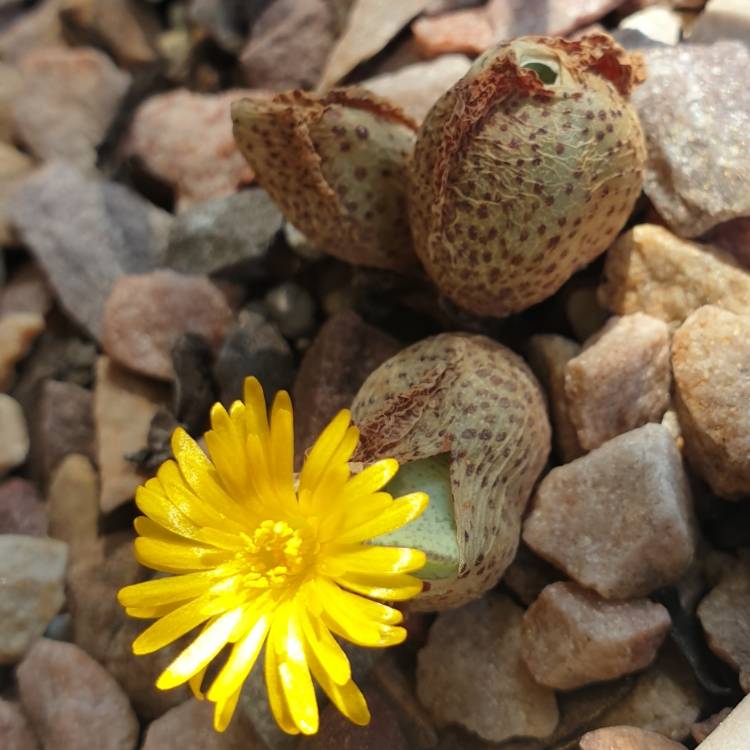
point(259, 560)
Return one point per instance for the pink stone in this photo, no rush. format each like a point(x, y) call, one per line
point(145, 314)
point(620, 380)
point(618, 520)
point(15, 731)
point(571, 637)
point(21, 511)
point(185, 139)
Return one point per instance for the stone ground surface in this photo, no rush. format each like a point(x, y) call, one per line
point(145, 272)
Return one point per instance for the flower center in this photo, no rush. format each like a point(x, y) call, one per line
point(276, 552)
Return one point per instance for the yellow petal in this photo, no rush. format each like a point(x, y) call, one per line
point(169, 557)
point(353, 514)
point(255, 411)
point(286, 640)
point(395, 588)
point(150, 613)
point(402, 511)
point(370, 479)
point(276, 697)
point(174, 625)
point(196, 682)
point(323, 450)
point(200, 652)
point(224, 711)
point(166, 590)
point(324, 646)
point(157, 506)
point(282, 444)
point(364, 558)
point(240, 662)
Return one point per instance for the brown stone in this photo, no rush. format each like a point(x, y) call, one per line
point(105, 632)
point(73, 504)
point(36, 29)
point(14, 435)
point(146, 314)
point(572, 637)
point(650, 270)
point(626, 738)
point(17, 334)
point(124, 405)
point(548, 357)
point(27, 291)
point(731, 734)
point(528, 575)
point(345, 351)
point(14, 166)
point(710, 361)
point(185, 139)
point(15, 732)
point(701, 729)
point(72, 702)
point(666, 699)
point(21, 511)
point(11, 86)
point(61, 423)
point(620, 380)
point(471, 673)
point(70, 97)
point(619, 520)
point(189, 726)
point(725, 616)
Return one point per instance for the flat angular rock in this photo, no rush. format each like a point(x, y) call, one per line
point(548, 356)
point(722, 19)
point(369, 27)
point(185, 139)
point(666, 699)
point(72, 702)
point(474, 30)
point(21, 511)
point(14, 166)
point(619, 520)
point(289, 44)
point(124, 405)
point(146, 314)
point(14, 435)
point(233, 234)
point(103, 630)
point(731, 734)
point(725, 616)
point(32, 579)
point(345, 351)
point(571, 637)
point(253, 347)
point(650, 270)
point(657, 22)
point(189, 726)
point(701, 729)
point(710, 361)
point(73, 504)
point(17, 334)
point(85, 234)
point(15, 731)
point(471, 673)
point(61, 422)
point(126, 29)
point(620, 380)
point(626, 738)
point(70, 98)
point(415, 88)
point(696, 183)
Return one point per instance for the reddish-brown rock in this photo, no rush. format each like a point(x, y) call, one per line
point(619, 520)
point(145, 315)
point(21, 511)
point(572, 637)
point(620, 380)
point(15, 732)
point(711, 361)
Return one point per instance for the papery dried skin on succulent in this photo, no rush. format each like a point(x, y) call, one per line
point(517, 183)
point(472, 398)
point(335, 165)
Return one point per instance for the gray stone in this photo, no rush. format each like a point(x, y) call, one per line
point(292, 308)
point(696, 183)
point(21, 511)
point(471, 673)
point(227, 21)
point(85, 234)
point(72, 702)
point(14, 167)
point(15, 732)
point(571, 637)
point(146, 314)
point(14, 435)
point(618, 520)
point(31, 590)
point(722, 19)
point(253, 347)
point(70, 97)
point(232, 234)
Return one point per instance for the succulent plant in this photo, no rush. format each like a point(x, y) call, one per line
point(335, 165)
point(467, 420)
point(526, 170)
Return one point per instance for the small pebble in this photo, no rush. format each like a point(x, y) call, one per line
point(14, 435)
point(292, 308)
